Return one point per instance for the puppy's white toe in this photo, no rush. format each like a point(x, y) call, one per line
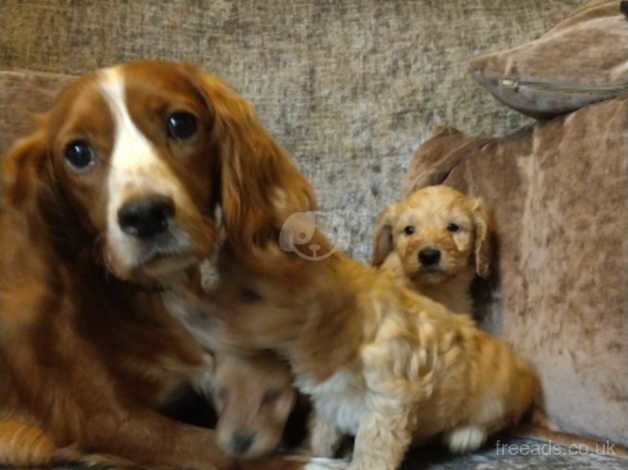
point(319, 463)
point(465, 439)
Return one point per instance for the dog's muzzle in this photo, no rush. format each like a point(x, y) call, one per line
point(147, 217)
point(429, 257)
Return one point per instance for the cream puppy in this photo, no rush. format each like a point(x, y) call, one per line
point(436, 239)
point(378, 360)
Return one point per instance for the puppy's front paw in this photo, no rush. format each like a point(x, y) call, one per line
point(465, 439)
point(294, 462)
point(319, 463)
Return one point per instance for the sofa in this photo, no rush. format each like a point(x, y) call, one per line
point(351, 89)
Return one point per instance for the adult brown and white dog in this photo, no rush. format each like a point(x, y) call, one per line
point(112, 194)
point(436, 240)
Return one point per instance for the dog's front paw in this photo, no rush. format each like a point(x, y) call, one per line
point(465, 439)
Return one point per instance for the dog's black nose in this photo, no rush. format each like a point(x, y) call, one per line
point(429, 256)
point(146, 217)
point(241, 442)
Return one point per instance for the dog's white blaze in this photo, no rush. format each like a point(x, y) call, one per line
point(134, 167)
point(134, 162)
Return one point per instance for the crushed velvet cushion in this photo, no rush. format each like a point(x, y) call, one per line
point(558, 193)
point(433, 160)
point(581, 60)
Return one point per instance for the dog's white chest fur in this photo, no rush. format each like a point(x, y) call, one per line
point(340, 399)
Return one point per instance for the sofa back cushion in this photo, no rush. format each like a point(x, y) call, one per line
point(581, 60)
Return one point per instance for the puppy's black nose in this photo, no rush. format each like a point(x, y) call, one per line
point(241, 442)
point(429, 256)
point(146, 217)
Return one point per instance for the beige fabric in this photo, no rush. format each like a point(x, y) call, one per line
point(581, 60)
point(558, 191)
point(349, 88)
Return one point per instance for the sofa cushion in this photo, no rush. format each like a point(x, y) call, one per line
point(558, 192)
point(581, 60)
point(432, 162)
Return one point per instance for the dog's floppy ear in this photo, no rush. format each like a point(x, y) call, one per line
point(29, 196)
point(25, 173)
point(383, 242)
point(482, 221)
point(31, 199)
point(259, 186)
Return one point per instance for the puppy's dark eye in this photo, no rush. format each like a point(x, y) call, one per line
point(453, 228)
point(270, 396)
point(181, 125)
point(408, 229)
point(79, 155)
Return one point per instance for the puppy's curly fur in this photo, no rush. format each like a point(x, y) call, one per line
point(437, 240)
point(379, 361)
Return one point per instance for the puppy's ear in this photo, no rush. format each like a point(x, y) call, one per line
point(383, 242)
point(483, 224)
point(259, 186)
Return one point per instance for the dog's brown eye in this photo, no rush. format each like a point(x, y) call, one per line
point(408, 230)
point(453, 228)
point(79, 155)
point(270, 396)
point(181, 125)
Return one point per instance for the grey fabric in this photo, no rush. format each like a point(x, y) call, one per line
point(349, 88)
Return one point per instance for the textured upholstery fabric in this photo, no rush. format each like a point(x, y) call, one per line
point(581, 60)
point(558, 192)
point(349, 88)
point(22, 95)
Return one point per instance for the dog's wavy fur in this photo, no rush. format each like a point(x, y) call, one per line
point(88, 352)
point(430, 213)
